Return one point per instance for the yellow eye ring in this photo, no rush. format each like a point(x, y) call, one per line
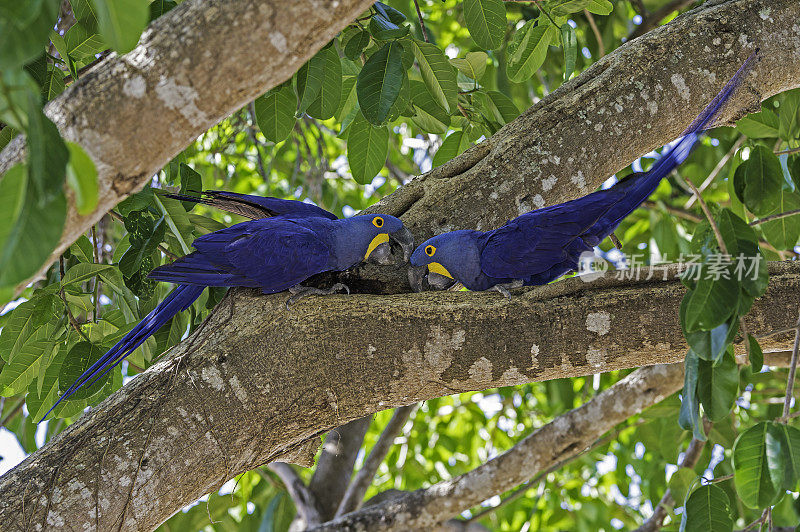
point(430, 250)
point(377, 222)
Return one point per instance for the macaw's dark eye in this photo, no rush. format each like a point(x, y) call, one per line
point(377, 222)
point(430, 250)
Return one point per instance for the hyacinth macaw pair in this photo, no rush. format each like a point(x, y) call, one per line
point(285, 242)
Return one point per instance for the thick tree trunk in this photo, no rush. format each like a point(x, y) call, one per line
point(257, 383)
point(242, 392)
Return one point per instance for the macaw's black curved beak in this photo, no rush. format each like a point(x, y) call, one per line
point(406, 241)
point(416, 277)
point(439, 281)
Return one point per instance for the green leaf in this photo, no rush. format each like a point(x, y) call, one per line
point(145, 235)
point(191, 185)
point(689, 417)
point(711, 302)
point(759, 465)
point(473, 65)
point(763, 125)
point(25, 366)
point(82, 179)
point(35, 233)
point(275, 113)
point(85, 14)
point(389, 12)
point(783, 233)
point(384, 29)
point(452, 146)
point(83, 44)
point(707, 510)
point(569, 41)
point(367, 148)
point(121, 22)
point(309, 82)
point(528, 49)
point(437, 73)
point(330, 92)
point(709, 345)
point(379, 83)
point(486, 22)
point(599, 7)
point(24, 31)
point(43, 393)
point(718, 386)
point(30, 321)
point(12, 197)
point(356, 44)
point(758, 180)
point(54, 84)
point(680, 483)
point(756, 354)
point(499, 107)
point(47, 155)
point(17, 89)
point(789, 114)
point(429, 115)
point(159, 7)
point(791, 437)
point(82, 272)
point(177, 221)
point(79, 359)
point(82, 249)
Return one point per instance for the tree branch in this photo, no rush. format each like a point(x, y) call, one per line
point(565, 436)
point(304, 501)
point(354, 496)
point(651, 20)
point(335, 464)
point(249, 387)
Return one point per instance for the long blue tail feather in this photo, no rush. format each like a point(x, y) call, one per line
point(179, 300)
point(642, 186)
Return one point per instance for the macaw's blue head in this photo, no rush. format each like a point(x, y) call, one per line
point(368, 237)
point(448, 258)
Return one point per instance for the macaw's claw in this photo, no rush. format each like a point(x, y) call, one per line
point(299, 292)
point(504, 288)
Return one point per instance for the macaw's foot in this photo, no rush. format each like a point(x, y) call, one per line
point(504, 288)
point(299, 292)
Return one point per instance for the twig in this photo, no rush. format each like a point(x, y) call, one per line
point(710, 218)
point(253, 137)
point(690, 458)
point(650, 21)
point(117, 216)
point(543, 10)
point(775, 217)
point(601, 48)
point(95, 244)
point(354, 496)
point(13, 413)
point(421, 23)
point(790, 150)
point(615, 241)
point(716, 170)
point(792, 368)
point(70, 317)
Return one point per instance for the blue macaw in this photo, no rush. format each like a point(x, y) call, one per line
point(284, 243)
point(542, 245)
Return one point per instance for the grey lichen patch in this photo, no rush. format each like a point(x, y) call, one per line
point(599, 322)
point(135, 86)
point(680, 84)
point(440, 346)
point(238, 390)
point(212, 376)
point(181, 98)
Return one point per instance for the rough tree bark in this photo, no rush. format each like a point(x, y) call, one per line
point(256, 384)
point(194, 66)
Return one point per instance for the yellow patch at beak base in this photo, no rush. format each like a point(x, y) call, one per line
point(377, 241)
point(435, 267)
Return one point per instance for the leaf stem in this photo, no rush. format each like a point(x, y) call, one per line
point(710, 218)
point(70, 317)
point(421, 22)
point(792, 369)
point(543, 10)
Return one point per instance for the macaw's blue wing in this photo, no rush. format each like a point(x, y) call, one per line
point(272, 254)
point(179, 300)
point(255, 207)
point(554, 237)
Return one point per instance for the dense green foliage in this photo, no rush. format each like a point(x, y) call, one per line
point(385, 100)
